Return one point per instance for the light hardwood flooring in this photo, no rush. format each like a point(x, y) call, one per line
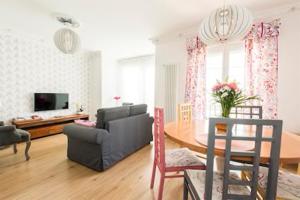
point(50, 175)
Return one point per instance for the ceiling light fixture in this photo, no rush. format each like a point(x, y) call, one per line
point(65, 39)
point(226, 23)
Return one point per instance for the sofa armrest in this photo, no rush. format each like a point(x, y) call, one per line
point(87, 134)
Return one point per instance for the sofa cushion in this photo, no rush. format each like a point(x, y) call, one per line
point(138, 109)
point(107, 114)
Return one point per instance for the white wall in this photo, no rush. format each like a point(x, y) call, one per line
point(170, 52)
point(289, 71)
point(171, 49)
point(109, 78)
point(95, 83)
point(30, 64)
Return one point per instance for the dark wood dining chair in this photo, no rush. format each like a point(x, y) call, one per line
point(210, 185)
point(247, 112)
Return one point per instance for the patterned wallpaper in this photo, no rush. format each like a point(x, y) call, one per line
point(29, 64)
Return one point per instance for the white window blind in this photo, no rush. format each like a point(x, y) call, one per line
point(222, 63)
point(136, 80)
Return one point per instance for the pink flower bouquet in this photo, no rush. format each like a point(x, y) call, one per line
point(229, 95)
point(117, 98)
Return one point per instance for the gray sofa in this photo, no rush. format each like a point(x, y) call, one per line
point(119, 132)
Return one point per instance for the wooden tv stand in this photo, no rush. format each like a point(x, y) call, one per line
point(44, 127)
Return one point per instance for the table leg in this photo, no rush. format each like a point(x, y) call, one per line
point(219, 164)
point(298, 170)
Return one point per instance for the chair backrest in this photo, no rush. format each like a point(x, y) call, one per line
point(254, 155)
point(247, 112)
point(159, 140)
point(7, 135)
point(184, 111)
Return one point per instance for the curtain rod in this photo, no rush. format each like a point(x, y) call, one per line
point(278, 16)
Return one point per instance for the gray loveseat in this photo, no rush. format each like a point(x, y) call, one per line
point(119, 132)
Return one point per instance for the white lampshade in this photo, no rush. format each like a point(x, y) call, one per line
point(67, 41)
point(226, 23)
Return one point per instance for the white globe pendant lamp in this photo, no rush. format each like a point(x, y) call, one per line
point(65, 39)
point(231, 22)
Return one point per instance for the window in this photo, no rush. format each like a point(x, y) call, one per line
point(221, 63)
point(136, 80)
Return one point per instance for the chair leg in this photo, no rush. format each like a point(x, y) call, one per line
point(27, 149)
point(185, 190)
point(153, 175)
point(161, 186)
point(15, 148)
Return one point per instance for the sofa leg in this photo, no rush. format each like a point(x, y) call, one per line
point(27, 149)
point(15, 148)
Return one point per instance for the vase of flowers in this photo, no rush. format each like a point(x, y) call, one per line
point(228, 95)
point(117, 99)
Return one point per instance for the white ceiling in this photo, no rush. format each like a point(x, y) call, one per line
point(120, 26)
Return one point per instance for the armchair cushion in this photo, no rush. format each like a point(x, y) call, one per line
point(24, 135)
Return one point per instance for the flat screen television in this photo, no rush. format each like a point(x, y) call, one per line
point(51, 101)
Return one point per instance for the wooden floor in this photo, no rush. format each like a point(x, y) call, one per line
point(50, 175)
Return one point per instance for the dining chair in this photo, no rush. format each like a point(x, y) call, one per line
point(184, 111)
point(172, 160)
point(247, 112)
point(288, 187)
point(229, 185)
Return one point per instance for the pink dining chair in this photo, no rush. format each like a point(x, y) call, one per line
point(173, 160)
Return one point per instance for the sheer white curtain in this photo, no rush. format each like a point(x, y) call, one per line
point(135, 81)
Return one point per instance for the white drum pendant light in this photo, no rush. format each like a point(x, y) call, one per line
point(226, 23)
point(65, 39)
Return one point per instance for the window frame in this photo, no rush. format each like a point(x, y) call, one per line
point(225, 50)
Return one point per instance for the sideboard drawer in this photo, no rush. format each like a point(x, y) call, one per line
point(56, 129)
point(38, 132)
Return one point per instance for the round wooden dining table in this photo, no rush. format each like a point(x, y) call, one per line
point(194, 134)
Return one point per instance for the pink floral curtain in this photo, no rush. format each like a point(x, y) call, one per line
point(195, 77)
point(262, 65)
